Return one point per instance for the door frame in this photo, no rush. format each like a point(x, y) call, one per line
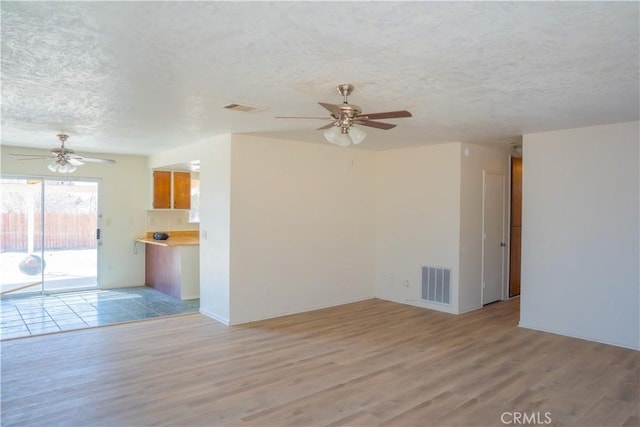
point(509, 227)
point(42, 179)
point(486, 172)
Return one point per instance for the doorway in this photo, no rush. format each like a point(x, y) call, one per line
point(515, 232)
point(493, 243)
point(50, 239)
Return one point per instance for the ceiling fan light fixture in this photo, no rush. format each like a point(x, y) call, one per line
point(343, 140)
point(338, 136)
point(68, 168)
point(344, 136)
point(61, 166)
point(357, 135)
point(332, 134)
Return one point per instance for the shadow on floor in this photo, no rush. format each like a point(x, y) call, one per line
point(23, 316)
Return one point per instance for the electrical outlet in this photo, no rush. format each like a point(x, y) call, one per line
point(266, 291)
point(407, 284)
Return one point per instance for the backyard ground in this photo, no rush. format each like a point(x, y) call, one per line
point(64, 269)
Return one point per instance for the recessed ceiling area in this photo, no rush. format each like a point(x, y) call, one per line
point(143, 77)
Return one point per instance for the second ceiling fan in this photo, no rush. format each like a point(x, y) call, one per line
point(344, 116)
point(63, 159)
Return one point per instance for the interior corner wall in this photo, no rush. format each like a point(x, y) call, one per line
point(302, 227)
point(580, 233)
point(476, 160)
point(418, 220)
point(123, 204)
point(215, 226)
point(214, 155)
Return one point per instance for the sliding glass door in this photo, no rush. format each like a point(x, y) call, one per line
point(49, 234)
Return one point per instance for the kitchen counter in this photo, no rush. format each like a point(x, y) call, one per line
point(176, 238)
point(172, 266)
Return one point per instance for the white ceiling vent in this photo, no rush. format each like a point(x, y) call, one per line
point(242, 107)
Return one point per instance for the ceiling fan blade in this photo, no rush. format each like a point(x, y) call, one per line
point(330, 125)
point(379, 125)
point(296, 117)
point(35, 156)
point(75, 161)
point(387, 115)
point(94, 160)
point(333, 109)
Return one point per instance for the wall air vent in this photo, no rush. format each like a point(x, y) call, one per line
point(242, 108)
point(436, 285)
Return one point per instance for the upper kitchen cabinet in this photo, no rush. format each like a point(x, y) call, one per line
point(161, 190)
point(181, 190)
point(171, 190)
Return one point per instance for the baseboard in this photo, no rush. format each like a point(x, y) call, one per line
point(121, 285)
point(301, 310)
point(214, 316)
point(580, 337)
point(421, 304)
point(468, 310)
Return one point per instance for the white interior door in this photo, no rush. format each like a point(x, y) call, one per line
point(493, 246)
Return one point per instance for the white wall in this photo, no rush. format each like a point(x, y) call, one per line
point(169, 220)
point(289, 226)
point(215, 218)
point(302, 226)
point(124, 198)
point(182, 154)
point(580, 233)
point(418, 220)
point(471, 194)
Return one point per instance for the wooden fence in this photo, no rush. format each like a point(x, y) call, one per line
point(62, 231)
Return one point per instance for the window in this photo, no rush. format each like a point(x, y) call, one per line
point(194, 212)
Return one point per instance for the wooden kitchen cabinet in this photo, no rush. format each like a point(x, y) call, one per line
point(181, 190)
point(161, 190)
point(171, 190)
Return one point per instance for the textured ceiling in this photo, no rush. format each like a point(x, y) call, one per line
point(141, 77)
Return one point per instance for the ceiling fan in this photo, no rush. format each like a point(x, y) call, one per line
point(63, 160)
point(344, 116)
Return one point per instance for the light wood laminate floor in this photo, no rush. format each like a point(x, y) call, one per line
point(364, 364)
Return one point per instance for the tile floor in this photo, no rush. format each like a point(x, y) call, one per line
point(22, 316)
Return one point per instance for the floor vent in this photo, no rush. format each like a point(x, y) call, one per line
point(436, 285)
